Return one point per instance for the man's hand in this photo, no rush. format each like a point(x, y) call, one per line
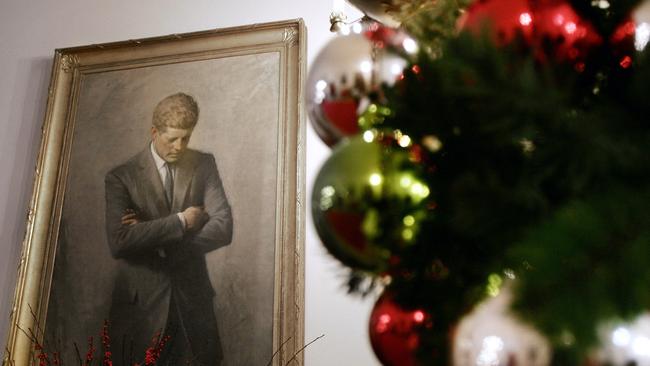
point(195, 218)
point(130, 217)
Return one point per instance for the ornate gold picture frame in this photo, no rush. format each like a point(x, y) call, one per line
point(106, 130)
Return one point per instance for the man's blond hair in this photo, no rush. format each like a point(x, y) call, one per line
point(176, 111)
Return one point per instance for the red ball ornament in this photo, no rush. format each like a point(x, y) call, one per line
point(561, 34)
point(504, 19)
point(395, 331)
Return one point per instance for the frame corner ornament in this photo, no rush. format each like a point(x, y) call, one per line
point(290, 37)
point(69, 62)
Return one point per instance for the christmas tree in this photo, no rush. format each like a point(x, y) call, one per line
point(483, 147)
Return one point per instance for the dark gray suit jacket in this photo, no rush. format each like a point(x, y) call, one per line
point(145, 278)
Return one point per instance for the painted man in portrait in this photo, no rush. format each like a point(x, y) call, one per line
point(165, 209)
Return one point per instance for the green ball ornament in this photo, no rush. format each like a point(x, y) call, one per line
point(369, 200)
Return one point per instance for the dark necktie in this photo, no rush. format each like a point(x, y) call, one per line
point(169, 184)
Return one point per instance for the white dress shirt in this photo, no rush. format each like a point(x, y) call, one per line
point(160, 165)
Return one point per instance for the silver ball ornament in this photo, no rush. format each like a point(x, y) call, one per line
point(348, 75)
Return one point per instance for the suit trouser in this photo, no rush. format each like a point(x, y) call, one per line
point(179, 349)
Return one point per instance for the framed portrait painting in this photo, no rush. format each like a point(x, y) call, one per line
point(167, 208)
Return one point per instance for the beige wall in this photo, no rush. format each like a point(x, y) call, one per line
point(30, 31)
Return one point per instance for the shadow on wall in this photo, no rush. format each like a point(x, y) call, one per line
point(27, 111)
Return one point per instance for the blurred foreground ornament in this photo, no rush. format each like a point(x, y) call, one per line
point(625, 344)
point(395, 332)
point(491, 335)
point(641, 17)
point(369, 199)
point(502, 19)
point(348, 75)
point(378, 10)
point(623, 44)
point(552, 27)
point(562, 34)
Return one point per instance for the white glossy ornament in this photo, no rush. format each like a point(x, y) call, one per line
point(625, 343)
point(492, 336)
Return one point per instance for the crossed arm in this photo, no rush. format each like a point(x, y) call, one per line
point(207, 227)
